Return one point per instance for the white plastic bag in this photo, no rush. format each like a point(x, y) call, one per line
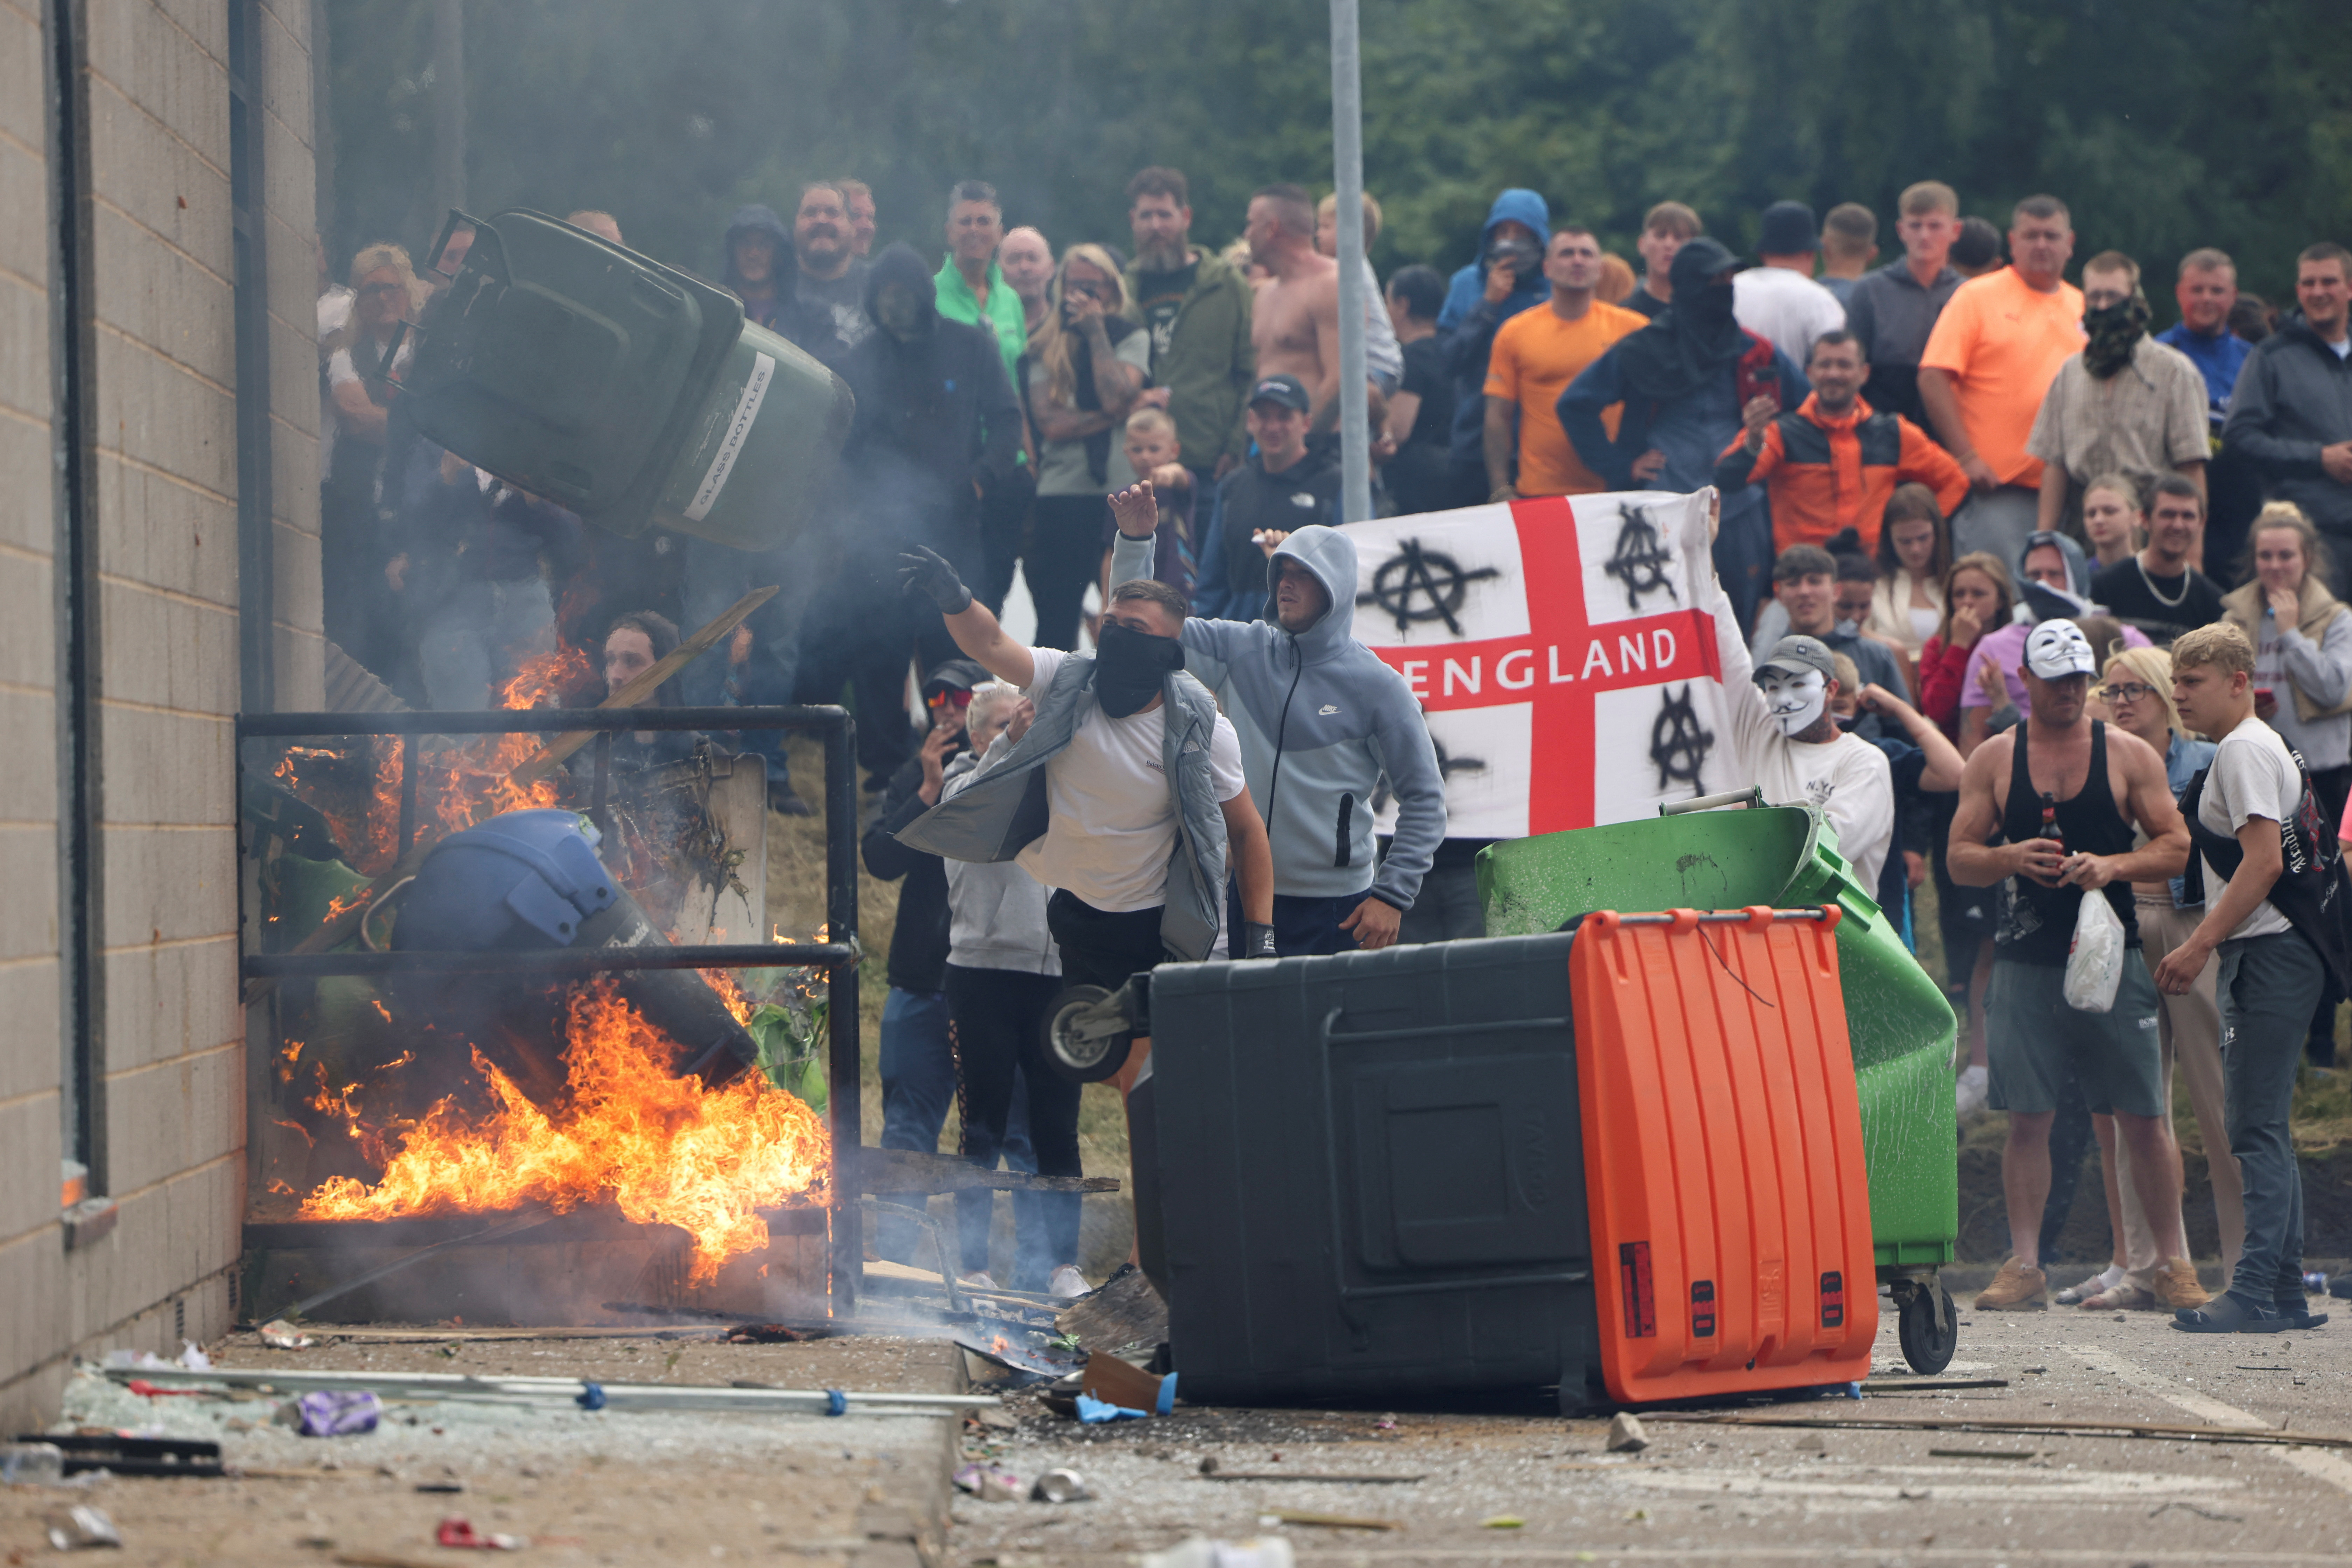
point(2095, 964)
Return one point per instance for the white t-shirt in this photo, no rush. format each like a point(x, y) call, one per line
point(2252, 775)
point(1847, 778)
point(1111, 818)
point(1788, 307)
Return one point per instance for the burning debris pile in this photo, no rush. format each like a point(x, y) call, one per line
point(435, 1094)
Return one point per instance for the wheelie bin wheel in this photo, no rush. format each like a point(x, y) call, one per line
point(1927, 1348)
point(1087, 1034)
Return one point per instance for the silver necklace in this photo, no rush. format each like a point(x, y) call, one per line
point(2157, 593)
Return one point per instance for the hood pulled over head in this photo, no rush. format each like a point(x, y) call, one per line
point(754, 219)
point(901, 263)
point(1330, 555)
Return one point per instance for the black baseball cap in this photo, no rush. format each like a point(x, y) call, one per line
point(1796, 654)
point(1285, 389)
point(1787, 230)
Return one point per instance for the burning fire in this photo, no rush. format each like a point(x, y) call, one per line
point(662, 1149)
point(456, 788)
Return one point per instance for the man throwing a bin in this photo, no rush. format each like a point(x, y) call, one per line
point(2062, 792)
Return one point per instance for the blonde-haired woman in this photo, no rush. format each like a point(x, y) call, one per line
point(2303, 674)
point(2113, 519)
point(2137, 691)
point(1086, 370)
point(356, 603)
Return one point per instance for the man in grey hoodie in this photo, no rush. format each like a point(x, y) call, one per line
point(1321, 721)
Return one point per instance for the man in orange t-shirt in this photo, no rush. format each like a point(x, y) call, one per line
point(1994, 353)
point(1536, 353)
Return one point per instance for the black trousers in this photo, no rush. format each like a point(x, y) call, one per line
point(1099, 948)
point(1065, 555)
point(863, 635)
point(997, 1014)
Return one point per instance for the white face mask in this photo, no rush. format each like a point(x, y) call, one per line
point(1795, 701)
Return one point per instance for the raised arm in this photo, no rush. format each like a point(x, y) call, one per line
point(926, 570)
point(1942, 774)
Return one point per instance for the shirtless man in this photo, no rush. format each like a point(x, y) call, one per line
point(1296, 325)
point(2062, 793)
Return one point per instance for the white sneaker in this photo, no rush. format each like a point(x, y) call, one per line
point(1068, 1283)
point(1969, 1095)
point(2076, 1295)
point(978, 1279)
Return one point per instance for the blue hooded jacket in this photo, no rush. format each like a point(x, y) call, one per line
point(1466, 324)
point(1321, 721)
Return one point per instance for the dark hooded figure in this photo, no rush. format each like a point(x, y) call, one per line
point(935, 428)
point(756, 261)
point(1683, 380)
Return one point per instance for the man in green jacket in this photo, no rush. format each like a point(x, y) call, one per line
point(971, 287)
point(1197, 308)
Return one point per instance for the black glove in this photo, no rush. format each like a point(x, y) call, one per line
point(1257, 941)
point(927, 570)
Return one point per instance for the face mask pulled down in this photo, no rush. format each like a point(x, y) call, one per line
point(1129, 666)
point(1795, 701)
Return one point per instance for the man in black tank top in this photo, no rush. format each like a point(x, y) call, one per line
point(2046, 814)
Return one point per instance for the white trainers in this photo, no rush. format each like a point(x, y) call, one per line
point(2097, 1284)
point(1968, 1097)
point(978, 1279)
point(1068, 1283)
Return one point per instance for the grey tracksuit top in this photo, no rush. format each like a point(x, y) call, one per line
point(1320, 720)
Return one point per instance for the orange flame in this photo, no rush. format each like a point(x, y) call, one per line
point(662, 1150)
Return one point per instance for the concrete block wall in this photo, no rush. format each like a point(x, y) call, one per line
point(164, 517)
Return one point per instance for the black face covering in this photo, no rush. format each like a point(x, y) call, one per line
point(1130, 666)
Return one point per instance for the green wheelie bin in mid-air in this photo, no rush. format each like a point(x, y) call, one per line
point(1728, 852)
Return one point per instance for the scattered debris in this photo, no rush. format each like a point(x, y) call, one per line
point(1124, 1314)
point(1625, 1434)
point(990, 1483)
point(1503, 1522)
point(460, 1532)
point(194, 1359)
point(441, 1489)
point(1200, 1551)
point(1930, 1385)
point(146, 1390)
point(1208, 1466)
point(71, 1528)
point(2035, 1371)
point(85, 1452)
point(1060, 1485)
point(1096, 1412)
point(2200, 1509)
point(2245, 1368)
point(280, 1335)
point(31, 1463)
point(766, 1334)
point(338, 1412)
point(1117, 1382)
point(997, 1418)
point(1983, 1453)
point(1329, 1520)
point(1815, 1444)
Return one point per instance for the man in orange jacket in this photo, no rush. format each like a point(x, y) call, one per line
point(1833, 462)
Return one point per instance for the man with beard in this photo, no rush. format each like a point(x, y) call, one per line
point(1685, 381)
point(2125, 405)
point(1198, 310)
point(1139, 778)
point(936, 429)
point(2291, 412)
point(831, 281)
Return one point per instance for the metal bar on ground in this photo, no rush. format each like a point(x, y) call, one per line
point(844, 1113)
point(552, 960)
point(562, 1390)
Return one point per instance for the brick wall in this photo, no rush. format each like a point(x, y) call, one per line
point(162, 379)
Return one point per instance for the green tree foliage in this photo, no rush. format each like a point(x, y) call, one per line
point(2165, 125)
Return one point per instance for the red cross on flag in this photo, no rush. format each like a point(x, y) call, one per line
point(1561, 651)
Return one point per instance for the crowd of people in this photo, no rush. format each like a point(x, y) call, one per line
point(2031, 603)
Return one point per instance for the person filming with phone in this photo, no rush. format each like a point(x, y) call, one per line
point(1685, 382)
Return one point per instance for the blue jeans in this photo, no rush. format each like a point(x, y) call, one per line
point(477, 638)
point(1302, 927)
point(919, 1084)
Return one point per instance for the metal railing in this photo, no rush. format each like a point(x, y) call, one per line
point(838, 956)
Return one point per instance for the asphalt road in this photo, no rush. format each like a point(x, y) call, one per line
point(1751, 1494)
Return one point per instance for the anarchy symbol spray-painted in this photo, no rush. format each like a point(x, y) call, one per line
point(1641, 559)
point(1678, 743)
point(1417, 585)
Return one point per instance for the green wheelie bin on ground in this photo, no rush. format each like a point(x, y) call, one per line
point(624, 390)
point(1696, 856)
